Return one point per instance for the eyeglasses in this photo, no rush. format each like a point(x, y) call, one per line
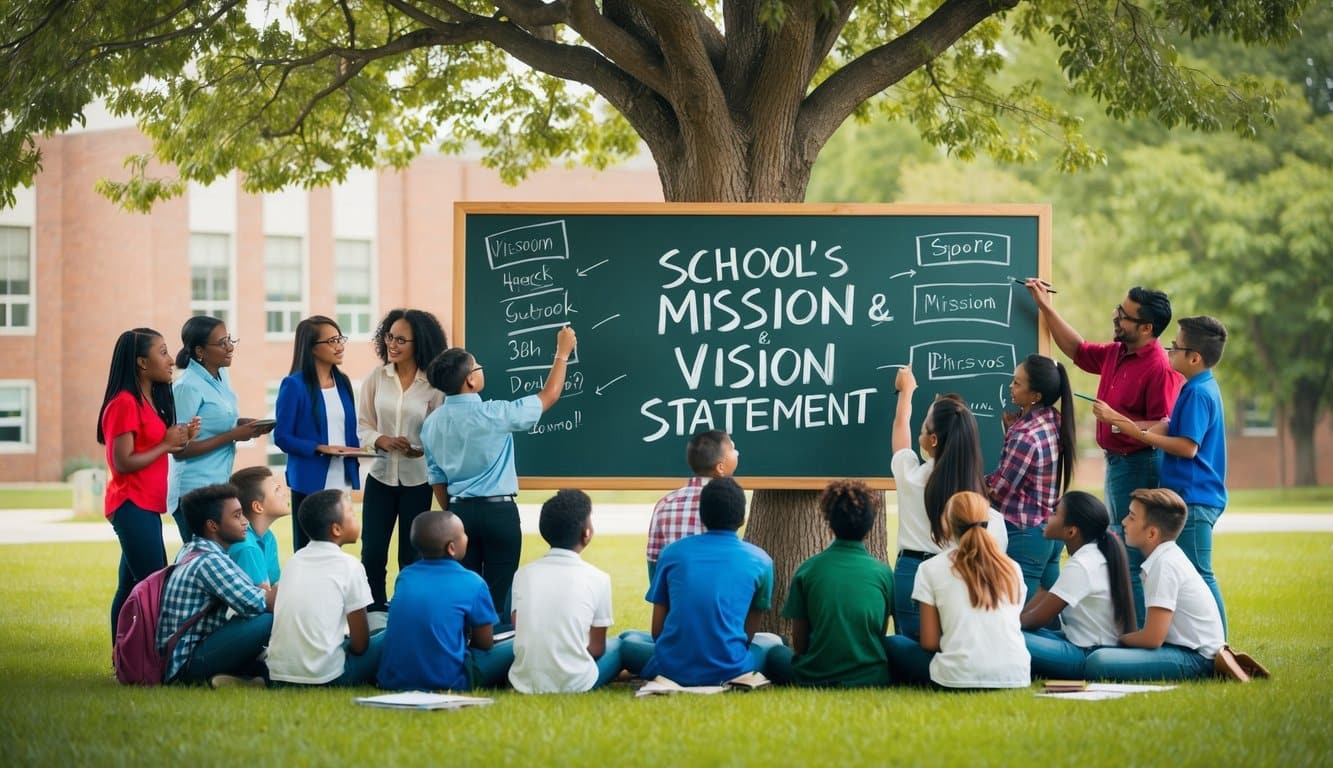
point(1174, 348)
point(1120, 314)
point(335, 340)
point(226, 342)
point(397, 340)
point(475, 368)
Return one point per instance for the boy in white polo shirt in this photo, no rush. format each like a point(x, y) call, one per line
point(1183, 629)
point(562, 607)
point(320, 632)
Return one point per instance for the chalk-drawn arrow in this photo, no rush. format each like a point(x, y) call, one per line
point(609, 383)
point(909, 273)
point(607, 320)
point(584, 272)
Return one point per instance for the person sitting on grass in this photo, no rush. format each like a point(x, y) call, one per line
point(562, 607)
point(264, 499)
point(1092, 595)
point(320, 632)
point(970, 598)
point(215, 649)
point(440, 634)
point(1183, 629)
point(840, 601)
point(707, 597)
point(709, 454)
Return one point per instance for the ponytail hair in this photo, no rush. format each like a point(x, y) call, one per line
point(978, 561)
point(1087, 513)
point(194, 333)
point(957, 460)
point(1047, 377)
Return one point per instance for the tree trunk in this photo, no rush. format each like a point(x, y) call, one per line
point(1304, 411)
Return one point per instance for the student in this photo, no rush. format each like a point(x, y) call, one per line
point(562, 607)
point(951, 445)
point(320, 632)
point(215, 649)
point(316, 417)
point(707, 597)
point(137, 424)
point(1194, 442)
point(1183, 631)
point(1092, 596)
point(840, 601)
point(264, 500)
point(970, 598)
point(469, 446)
point(203, 389)
point(440, 634)
point(1036, 465)
point(395, 400)
point(709, 454)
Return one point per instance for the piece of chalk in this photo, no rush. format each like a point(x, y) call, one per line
point(1085, 397)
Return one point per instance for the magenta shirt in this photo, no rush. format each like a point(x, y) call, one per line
point(1139, 384)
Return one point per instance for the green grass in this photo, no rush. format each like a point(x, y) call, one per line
point(36, 497)
point(62, 708)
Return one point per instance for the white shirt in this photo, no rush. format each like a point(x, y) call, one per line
point(557, 599)
point(1084, 584)
point(1170, 582)
point(337, 430)
point(388, 409)
point(321, 584)
point(910, 475)
point(978, 649)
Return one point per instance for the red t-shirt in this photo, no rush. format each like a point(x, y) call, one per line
point(1140, 384)
point(147, 488)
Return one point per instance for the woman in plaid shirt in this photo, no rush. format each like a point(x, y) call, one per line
point(1035, 466)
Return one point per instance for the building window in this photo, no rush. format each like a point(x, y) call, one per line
point(210, 276)
point(16, 415)
point(284, 284)
point(15, 278)
point(353, 276)
point(1256, 419)
point(275, 457)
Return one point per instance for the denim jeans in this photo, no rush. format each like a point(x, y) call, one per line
point(637, 647)
point(1196, 541)
point(906, 613)
point(609, 664)
point(1170, 662)
point(141, 551)
point(1124, 475)
point(361, 669)
point(1054, 657)
point(382, 507)
point(1039, 558)
point(490, 669)
point(231, 650)
point(909, 663)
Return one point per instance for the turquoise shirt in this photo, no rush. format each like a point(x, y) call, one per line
point(213, 401)
point(469, 443)
point(257, 556)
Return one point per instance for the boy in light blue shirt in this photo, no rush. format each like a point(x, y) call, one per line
point(264, 499)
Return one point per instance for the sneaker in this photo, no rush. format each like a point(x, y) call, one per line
point(235, 681)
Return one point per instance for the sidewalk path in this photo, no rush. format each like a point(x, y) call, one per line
point(33, 526)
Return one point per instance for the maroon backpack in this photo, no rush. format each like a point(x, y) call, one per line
point(135, 655)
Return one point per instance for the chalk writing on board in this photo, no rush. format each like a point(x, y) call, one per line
point(534, 242)
point(962, 303)
point(948, 248)
point(963, 359)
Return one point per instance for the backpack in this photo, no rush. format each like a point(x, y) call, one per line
point(135, 656)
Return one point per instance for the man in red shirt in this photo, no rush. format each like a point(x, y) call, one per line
point(1136, 380)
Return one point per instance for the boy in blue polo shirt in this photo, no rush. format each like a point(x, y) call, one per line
point(707, 595)
point(440, 634)
point(1194, 442)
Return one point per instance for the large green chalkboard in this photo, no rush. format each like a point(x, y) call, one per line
point(782, 324)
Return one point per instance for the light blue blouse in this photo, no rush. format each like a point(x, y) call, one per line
point(213, 401)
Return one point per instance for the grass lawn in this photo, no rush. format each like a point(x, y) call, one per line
point(62, 707)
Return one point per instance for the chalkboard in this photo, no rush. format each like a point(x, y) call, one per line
point(782, 324)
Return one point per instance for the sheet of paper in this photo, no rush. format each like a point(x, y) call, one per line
point(422, 700)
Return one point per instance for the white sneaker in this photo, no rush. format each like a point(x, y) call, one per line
point(233, 681)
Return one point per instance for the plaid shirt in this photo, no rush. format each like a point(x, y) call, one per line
point(1024, 486)
point(675, 516)
point(194, 585)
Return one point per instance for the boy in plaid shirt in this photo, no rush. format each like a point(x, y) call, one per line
point(710, 454)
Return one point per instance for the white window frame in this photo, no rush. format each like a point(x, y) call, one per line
point(30, 298)
point(287, 307)
point(350, 311)
point(1251, 410)
point(274, 458)
point(212, 306)
point(27, 419)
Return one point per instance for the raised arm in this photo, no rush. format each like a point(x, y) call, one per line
point(555, 380)
point(905, 383)
point(1066, 338)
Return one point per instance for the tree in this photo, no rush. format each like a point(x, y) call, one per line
point(736, 112)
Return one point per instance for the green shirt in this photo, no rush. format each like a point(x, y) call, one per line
point(846, 595)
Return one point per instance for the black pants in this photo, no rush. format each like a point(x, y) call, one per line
point(299, 539)
point(494, 543)
point(382, 507)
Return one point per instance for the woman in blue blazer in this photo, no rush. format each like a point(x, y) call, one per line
point(316, 416)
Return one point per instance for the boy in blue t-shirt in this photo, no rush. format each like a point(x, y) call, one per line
point(706, 596)
point(264, 499)
point(1193, 443)
point(440, 633)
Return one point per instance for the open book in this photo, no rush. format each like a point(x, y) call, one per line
point(1065, 686)
point(422, 700)
point(659, 685)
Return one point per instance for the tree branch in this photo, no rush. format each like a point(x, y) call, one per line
point(38, 27)
point(104, 50)
point(827, 34)
point(618, 45)
point(693, 89)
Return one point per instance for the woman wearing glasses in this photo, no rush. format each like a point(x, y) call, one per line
point(395, 399)
point(316, 417)
point(203, 389)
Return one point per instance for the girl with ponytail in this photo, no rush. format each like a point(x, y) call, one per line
point(1036, 465)
point(1092, 597)
point(970, 598)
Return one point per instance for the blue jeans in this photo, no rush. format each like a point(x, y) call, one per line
point(360, 670)
point(141, 551)
point(1196, 541)
point(906, 613)
point(490, 669)
point(609, 664)
point(652, 571)
point(1124, 475)
point(1039, 558)
point(1170, 662)
point(637, 647)
point(231, 650)
point(1054, 657)
point(909, 663)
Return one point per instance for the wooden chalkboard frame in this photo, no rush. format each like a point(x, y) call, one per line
point(1039, 211)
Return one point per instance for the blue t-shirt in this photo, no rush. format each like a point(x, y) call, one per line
point(424, 648)
point(257, 556)
point(1198, 415)
point(710, 582)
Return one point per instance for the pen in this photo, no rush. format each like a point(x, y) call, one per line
point(1049, 289)
point(1085, 397)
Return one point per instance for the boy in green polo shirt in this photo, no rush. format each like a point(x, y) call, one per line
point(840, 602)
